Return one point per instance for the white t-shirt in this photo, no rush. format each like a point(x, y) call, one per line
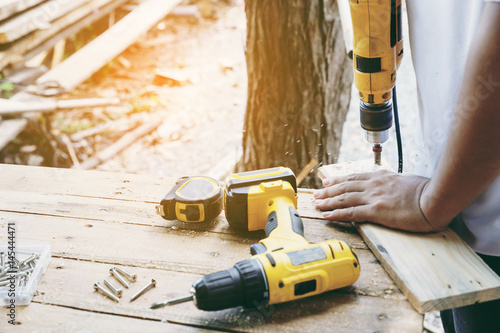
point(441, 32)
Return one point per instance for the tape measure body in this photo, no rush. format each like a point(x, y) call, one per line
point(192, 199)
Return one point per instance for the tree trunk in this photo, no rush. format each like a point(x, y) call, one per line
point(299, 83)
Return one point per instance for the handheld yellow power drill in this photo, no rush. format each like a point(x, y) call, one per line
point(377, 54)
point(284, 266)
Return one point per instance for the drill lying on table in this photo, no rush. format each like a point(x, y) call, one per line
point(284, 266)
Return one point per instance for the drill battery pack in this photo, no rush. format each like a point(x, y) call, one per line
point(240, 186)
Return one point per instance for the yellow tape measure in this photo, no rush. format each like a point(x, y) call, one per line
point(192, 199)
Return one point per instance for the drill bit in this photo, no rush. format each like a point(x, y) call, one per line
point(377, 153)
point(172, 302)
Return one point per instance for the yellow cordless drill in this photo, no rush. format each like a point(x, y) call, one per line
point(377, 53)
point(284, 266)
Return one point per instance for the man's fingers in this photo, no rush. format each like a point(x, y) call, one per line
point(350, 214)
point(340, 201)
point(352, 177)
point(338, 189)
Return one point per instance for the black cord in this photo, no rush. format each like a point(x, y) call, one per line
point(398, 130)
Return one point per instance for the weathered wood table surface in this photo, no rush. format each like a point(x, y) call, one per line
point(97, 220)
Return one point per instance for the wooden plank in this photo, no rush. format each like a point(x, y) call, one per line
point(39, 317)
point(64, 284)
point(124, 142)
point(61, 28)
point(36, 18)
point(435, 271)
point(81, 65)
point(10, 129)
point(346, 22)
point(16, 108)
point(11, 7)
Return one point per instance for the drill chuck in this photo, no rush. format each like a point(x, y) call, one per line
point(376, 120)
point(244, 284)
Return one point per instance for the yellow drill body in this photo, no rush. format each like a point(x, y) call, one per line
point(294, 268)
point(377, 54)
point(309, 270)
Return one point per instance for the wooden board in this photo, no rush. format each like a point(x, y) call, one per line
point(81, 65)
point(94, 220)
point(435, 271)
point(39, 317)
point(11, 7)
point(38, 17)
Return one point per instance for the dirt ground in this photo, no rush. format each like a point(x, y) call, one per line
point(201, 115)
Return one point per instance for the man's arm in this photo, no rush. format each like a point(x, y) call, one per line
point(469, 164)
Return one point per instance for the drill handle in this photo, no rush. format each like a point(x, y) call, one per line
point(284, 229)
point(295, 223)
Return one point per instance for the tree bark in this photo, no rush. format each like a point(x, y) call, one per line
point(299, 84)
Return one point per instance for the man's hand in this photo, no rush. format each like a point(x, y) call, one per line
point(381, 197)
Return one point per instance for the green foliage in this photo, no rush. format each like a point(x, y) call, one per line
point(7, 86)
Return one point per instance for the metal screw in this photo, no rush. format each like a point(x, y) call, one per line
point(2, 260)
point(98, 287)
point(131, 277)
point(32, 257)
point(4, 273)
point(117, 292)
point(118, 277)
point(150, 285)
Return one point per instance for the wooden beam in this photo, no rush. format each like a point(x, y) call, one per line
point(127, 140)
point(81, 65)
point(306, 170)
point(435, 271)
point(346, 22)
point(58, 54)
point(11, 7)
point(38, 17)
point(16, 108)
point(10, 129)
point(113, 125)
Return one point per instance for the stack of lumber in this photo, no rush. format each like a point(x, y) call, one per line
point(32, 26)
point(28, 27)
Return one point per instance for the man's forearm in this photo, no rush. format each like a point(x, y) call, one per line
point(471, 159)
